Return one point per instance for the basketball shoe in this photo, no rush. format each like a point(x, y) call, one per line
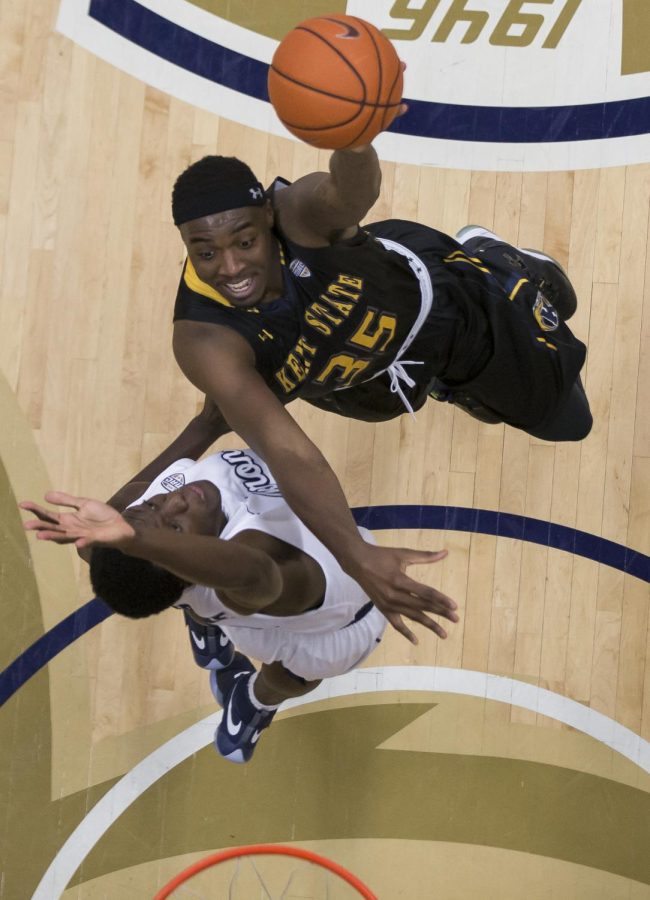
point(541, 269)
point(243, 721)
point(212, 649)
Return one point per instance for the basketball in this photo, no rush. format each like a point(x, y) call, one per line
point(335, 82)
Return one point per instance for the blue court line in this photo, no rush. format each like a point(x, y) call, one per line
point(521, 528)
point(50, 644)
point(448, 121)
point(442, 518)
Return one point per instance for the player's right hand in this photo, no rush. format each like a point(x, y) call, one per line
point(381, 572)
point(92, 521)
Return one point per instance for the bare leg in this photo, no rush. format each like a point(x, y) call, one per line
point(274, 684)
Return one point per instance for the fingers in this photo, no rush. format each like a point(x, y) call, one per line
point(60, 498)
point(58, 537)
point(427, 598)
point(424, 557)
point(418, 607)
point(47, 526)
point(37, 525)
point(420, 596)
point(432, 625)
point(45, 515)
point(399, 625)
point(399, 597)
point(43, 525)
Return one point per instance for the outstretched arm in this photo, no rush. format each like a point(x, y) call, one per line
point(247, 579)
point(326, 206)
point(220, 363)
point(323, 207)
point(194, 440)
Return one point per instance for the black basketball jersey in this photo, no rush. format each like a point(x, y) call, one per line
point(347, 308)
point(344, 314)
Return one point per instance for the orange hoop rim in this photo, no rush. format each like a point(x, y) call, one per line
point(265, 850)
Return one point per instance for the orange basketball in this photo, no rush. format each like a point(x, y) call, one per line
point(335, 82)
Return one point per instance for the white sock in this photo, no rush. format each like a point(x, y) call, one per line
point(251, 695)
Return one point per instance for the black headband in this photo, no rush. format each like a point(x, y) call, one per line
point(215, 200)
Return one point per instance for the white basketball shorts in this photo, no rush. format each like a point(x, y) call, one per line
point(311, 655)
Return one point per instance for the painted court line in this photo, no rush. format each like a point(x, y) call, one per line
point(442, 518)
point(214, 64)
point(361, 681)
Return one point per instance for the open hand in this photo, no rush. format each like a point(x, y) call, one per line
point(382, 574)
point(91, 522)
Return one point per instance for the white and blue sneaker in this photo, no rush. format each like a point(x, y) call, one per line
point(212, 649)
point(243, 721)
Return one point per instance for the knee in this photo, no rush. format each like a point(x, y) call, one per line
point(586, 426)
point(578, 430)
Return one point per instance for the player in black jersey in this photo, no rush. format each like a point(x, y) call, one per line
point(283, 295)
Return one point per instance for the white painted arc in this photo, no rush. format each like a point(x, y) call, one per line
point(361, 681)
point(76, 24)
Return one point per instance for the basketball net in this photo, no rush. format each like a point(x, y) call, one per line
point(271, 871)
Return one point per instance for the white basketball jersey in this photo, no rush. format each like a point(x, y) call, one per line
point(251, 500)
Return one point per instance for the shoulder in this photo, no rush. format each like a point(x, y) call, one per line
point(190, 337)
point(215, 358)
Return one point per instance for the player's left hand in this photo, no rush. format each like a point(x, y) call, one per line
point(92, 521)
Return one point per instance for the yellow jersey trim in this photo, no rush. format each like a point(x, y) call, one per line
point(516, 288)
point(195, 284)
point(459, 256)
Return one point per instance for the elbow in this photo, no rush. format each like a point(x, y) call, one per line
point(270, 581)
point(262, 589)
point(361, 205)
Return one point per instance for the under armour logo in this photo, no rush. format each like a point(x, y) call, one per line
point(256, 193)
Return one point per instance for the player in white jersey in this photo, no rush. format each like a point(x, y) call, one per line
point(216, 538)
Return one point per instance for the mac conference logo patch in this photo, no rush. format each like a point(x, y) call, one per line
point(173, 482)
point(299, 269)
point(502, 85)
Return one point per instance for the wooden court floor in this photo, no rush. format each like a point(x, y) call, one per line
point(444, 791)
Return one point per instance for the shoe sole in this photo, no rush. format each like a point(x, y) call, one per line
point(235, 756)
point(468, 232)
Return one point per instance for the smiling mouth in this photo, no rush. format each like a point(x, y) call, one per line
point(239, 288)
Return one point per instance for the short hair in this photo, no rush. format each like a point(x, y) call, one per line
point(214, 184)
point(130, 586)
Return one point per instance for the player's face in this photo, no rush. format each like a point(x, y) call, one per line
point(236, 253)
point(193, 509)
